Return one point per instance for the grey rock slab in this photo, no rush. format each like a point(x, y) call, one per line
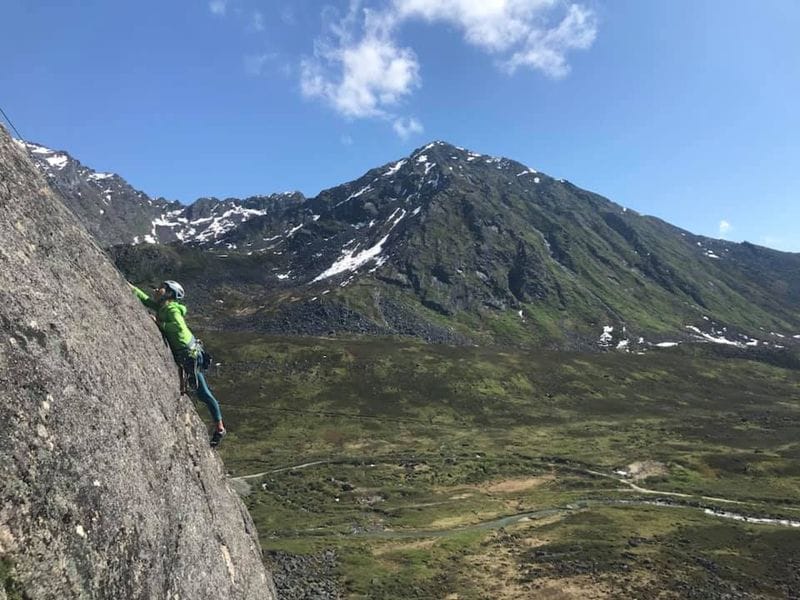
point(108, 488)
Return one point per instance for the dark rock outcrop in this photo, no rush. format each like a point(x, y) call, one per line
point(305, 577)
point(108, 488)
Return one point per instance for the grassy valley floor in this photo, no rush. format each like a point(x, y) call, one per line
point(394, 469)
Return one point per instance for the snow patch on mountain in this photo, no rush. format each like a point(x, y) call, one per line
point(363, 190)
point(202, 229)
point(717, 339)
point(352, 260)
point(606, 337)
point(162, 222)
point(394, 168)
point(37, 149)
point(99, 176)
point(59, 161)
point(379, 262)
point(292, 230)
point(496, 160)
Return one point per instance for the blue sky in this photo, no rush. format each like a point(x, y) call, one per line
point(683, 109)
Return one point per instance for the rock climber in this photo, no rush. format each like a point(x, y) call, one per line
point(186, 349)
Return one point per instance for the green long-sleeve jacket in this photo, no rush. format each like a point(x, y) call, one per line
point(169, 317)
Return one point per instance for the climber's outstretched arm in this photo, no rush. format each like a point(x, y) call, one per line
point(144, 297)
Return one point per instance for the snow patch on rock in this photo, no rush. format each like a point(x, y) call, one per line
point(394, 168)
point(352, 260)
point(716, 339)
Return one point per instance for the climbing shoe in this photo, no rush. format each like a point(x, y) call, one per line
point(217, 437)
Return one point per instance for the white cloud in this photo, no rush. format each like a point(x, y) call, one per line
point(495, 25)
point(518, 27)
point(546, 50)
point(362, 71)
point(724, 227)
point(375, 75)
point(346, 140)
point(218, 7)
point(407, 127)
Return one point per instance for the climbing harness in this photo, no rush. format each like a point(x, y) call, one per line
point(196, 360)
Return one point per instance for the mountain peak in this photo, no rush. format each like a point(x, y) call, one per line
point(441, 144)
point(443, 149)
point(445, 153)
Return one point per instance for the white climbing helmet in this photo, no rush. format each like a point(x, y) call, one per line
point(176, 289)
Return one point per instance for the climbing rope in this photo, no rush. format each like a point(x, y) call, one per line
point(8, 120)
point(50, 180)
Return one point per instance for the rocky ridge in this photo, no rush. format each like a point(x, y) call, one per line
point(108, 488)
point(112, 210)
point(116, 213)
point(451, 245)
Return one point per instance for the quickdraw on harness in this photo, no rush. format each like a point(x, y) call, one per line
point(195, 360)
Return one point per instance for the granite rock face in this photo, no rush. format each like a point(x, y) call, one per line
point(108, 488)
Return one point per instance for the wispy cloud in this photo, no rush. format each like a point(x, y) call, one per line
point(218, 7)
point(724, 227)
point(520, 33)
point(254, 64)
point(257, 21)
point(361, 70)
point(346, 140)
point(287, 15)
point(546, 50)
point(405, 128)
point(287, 69)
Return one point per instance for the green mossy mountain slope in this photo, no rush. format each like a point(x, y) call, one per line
point(450, 245)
